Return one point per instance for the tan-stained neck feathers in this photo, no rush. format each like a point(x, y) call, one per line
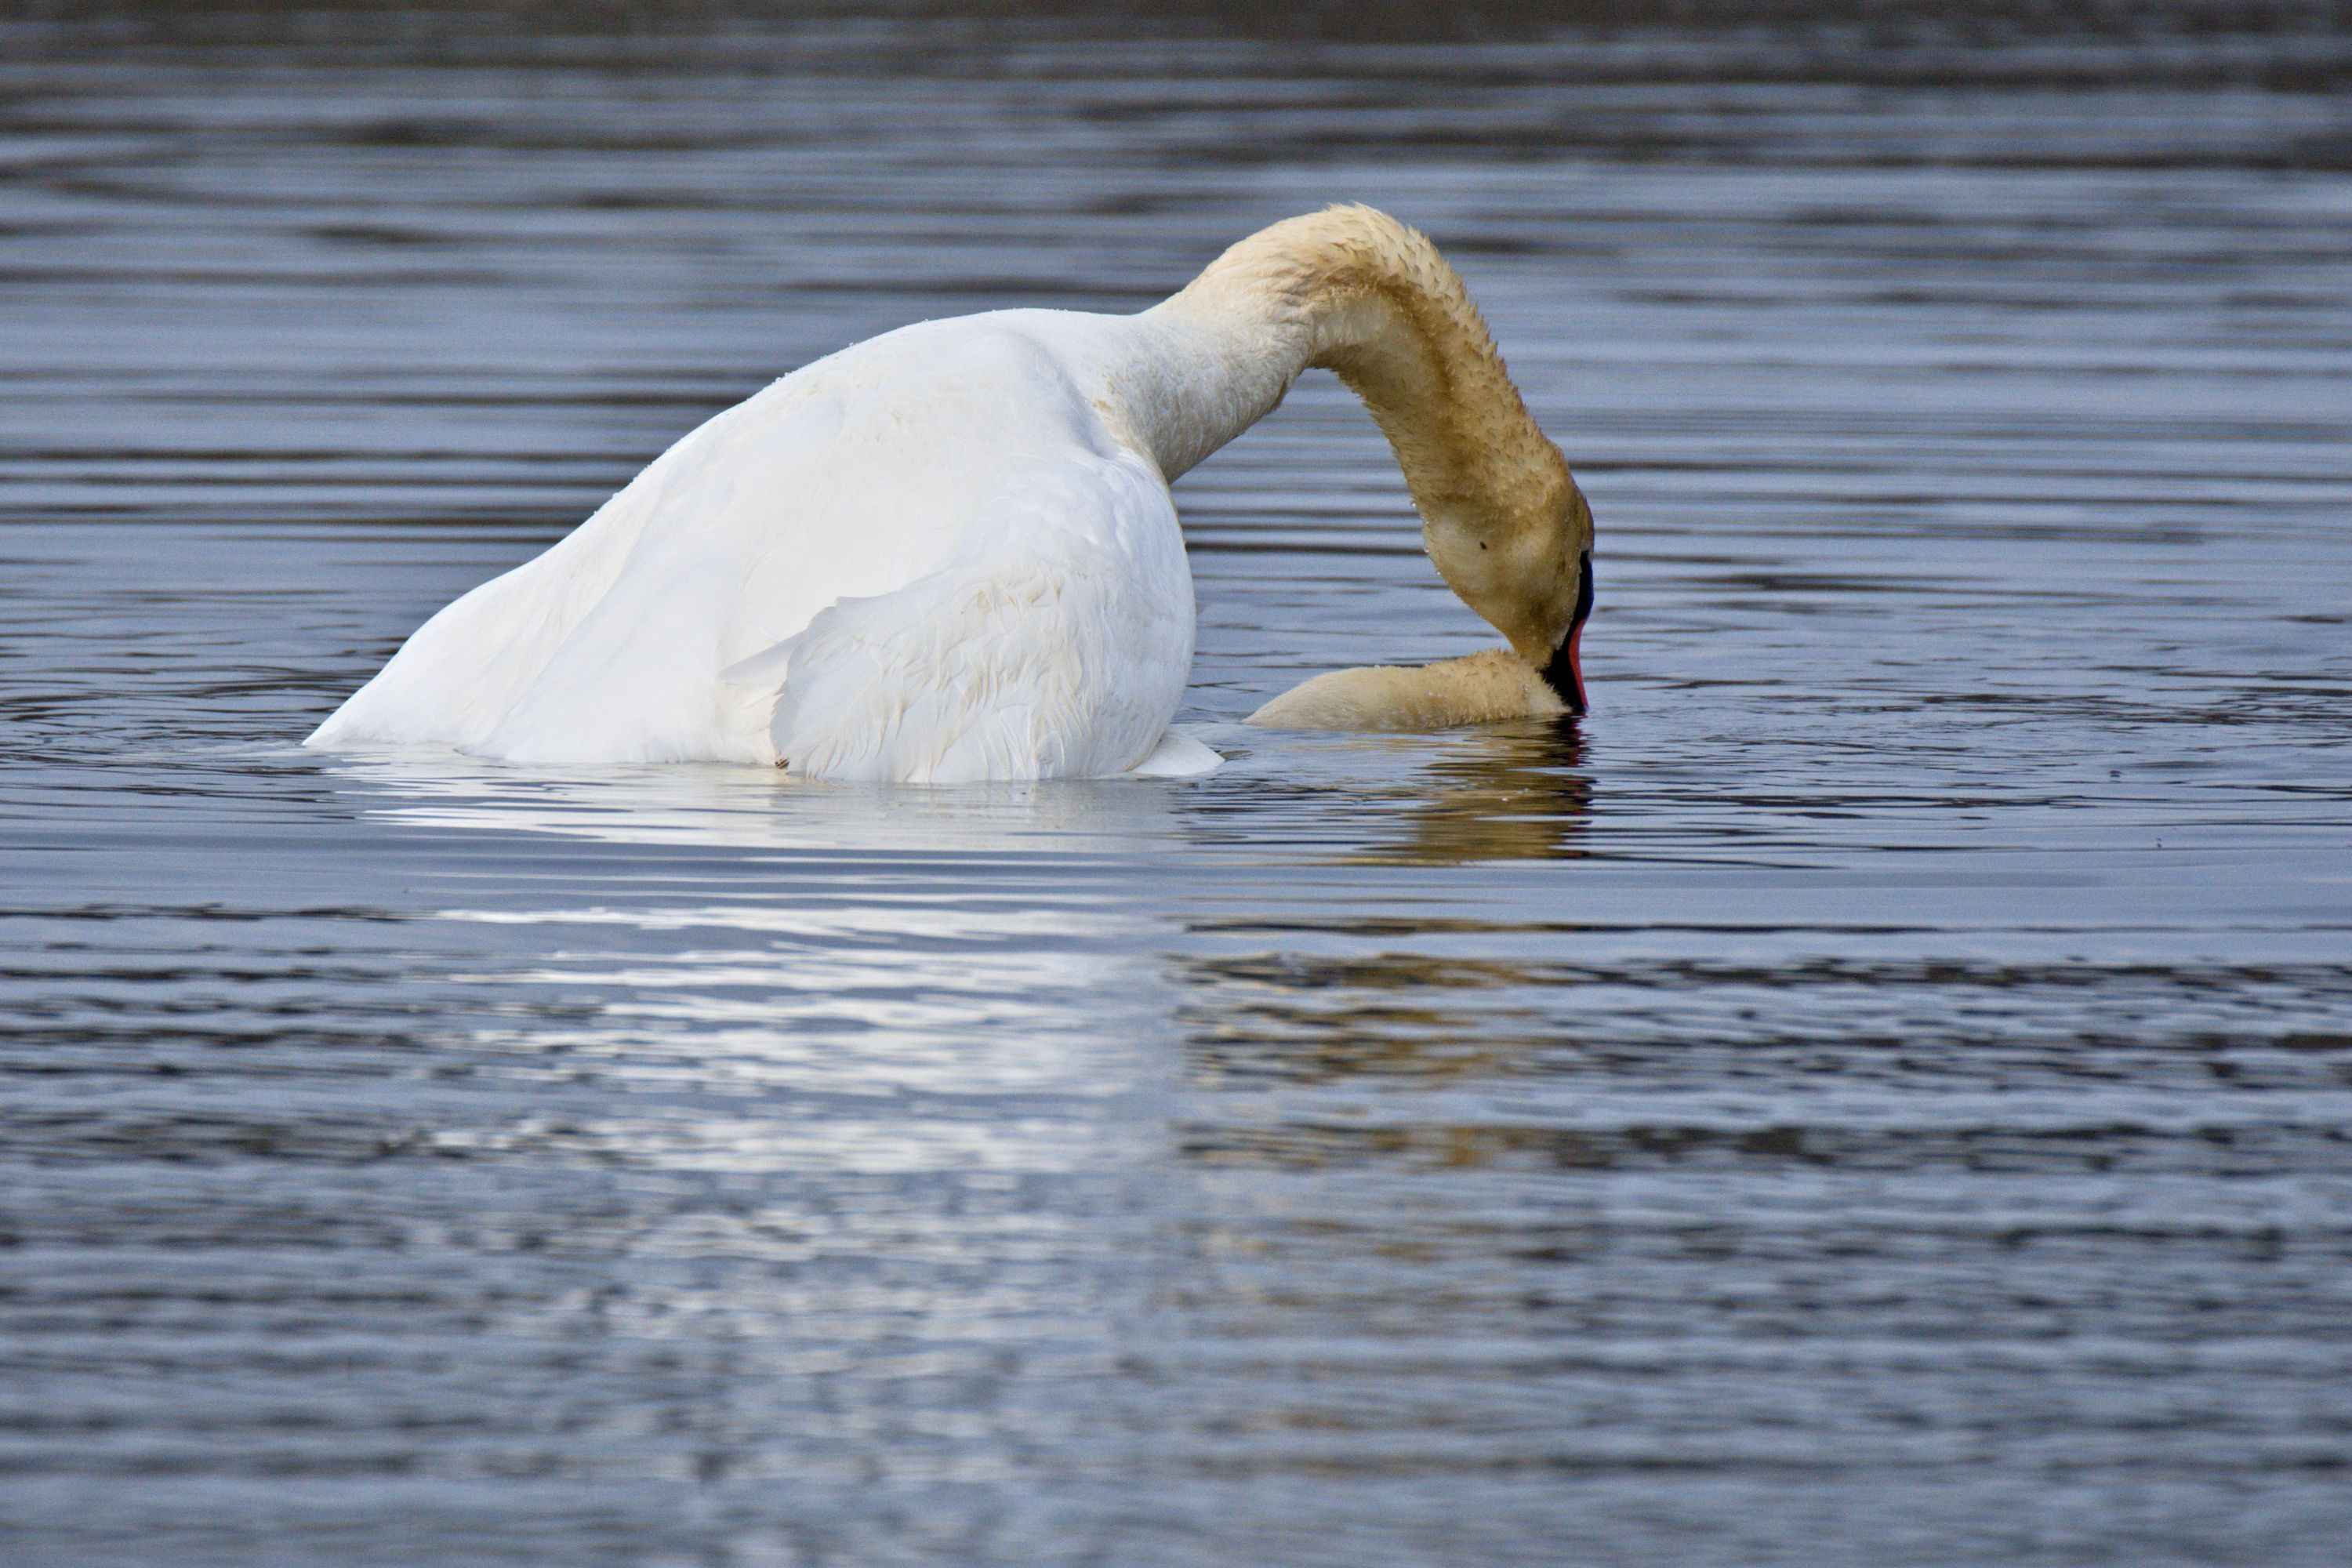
point(1479, 690)
point(1353, 290)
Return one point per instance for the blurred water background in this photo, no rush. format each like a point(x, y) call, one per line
point(1875, 1093)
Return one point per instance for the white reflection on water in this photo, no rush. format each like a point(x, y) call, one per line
point(888, 1003)
point(876, 1072)
point(715, 805)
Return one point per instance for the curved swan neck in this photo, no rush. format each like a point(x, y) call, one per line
point(1353, 290)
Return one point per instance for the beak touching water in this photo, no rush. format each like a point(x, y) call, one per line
point(1565, 673)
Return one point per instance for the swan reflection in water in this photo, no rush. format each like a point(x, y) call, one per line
point(815, 978)
point(945, 947)
point(720, 806)
point(888, 919)
point(1520, 793)
point(1515, 791)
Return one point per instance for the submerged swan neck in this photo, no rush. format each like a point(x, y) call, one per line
point(1353, 290)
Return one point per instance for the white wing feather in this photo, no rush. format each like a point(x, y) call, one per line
point(1057, 650)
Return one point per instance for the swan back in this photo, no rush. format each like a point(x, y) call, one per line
point(949, 496)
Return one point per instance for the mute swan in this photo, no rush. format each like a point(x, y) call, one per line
point(949, 553)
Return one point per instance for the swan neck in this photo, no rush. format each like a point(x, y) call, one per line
point(1353, 290)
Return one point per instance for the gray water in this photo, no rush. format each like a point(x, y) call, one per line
point(1875, 1091)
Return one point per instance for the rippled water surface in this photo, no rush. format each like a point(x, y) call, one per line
point(1875, 1093)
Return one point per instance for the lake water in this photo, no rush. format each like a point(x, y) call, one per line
point(1878, 1091)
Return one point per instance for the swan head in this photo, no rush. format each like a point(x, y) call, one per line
point(1352, 291)
point(1520, 554)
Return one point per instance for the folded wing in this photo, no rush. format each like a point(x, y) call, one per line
point(1057, 646)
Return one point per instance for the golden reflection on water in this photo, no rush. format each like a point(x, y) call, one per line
point(1504, 792)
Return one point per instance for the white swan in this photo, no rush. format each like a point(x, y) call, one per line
point(949, 553)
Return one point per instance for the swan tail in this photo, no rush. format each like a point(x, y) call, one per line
point(456, 678)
